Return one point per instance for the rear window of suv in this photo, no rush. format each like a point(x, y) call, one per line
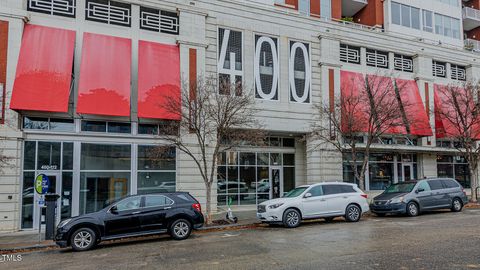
point(435, 184)
point(336, 189)
point(449, 184)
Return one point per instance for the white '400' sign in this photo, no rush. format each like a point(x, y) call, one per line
point(266, 65)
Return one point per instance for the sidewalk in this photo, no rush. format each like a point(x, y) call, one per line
point(28, 240)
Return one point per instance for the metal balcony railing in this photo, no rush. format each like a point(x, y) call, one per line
point(472, 45)
point(471, 13)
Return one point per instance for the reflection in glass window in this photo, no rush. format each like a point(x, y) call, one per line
point(35, 123)
point(105, 157)
point(48, 156)
point(155, 182)
point(29, 153)
point(99, 189)
point(66, 201)
point(27, 199)
point(94, 126)
point(114, 127)
point(156, 158)
point(129, 204)
point(157, 200)
point(67, 156)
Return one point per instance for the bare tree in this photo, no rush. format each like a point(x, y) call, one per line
point(213, 117)
point(367, 109)
point(457, 109)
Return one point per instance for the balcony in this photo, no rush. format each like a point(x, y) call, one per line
point(472, 45)
point(471, 18)
point(351, 7)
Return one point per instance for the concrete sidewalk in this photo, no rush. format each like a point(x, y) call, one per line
point(29, 240)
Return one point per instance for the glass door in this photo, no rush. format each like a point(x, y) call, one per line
point(407, 172)
point(276, 182)
point(55, 186)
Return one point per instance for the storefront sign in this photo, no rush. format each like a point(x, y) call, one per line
point(41, 184)
point(49, 167)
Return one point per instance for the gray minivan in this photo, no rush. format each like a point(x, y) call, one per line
point(413, 197)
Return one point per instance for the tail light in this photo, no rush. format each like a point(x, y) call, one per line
point(197, 207)
point(364, 196)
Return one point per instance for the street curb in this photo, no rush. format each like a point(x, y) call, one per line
point(37, 247)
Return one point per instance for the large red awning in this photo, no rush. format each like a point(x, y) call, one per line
point(356, 111)
point(44, 70)
point(158, 81)
point(105, 72)
point(444, 128)
point(415, 112)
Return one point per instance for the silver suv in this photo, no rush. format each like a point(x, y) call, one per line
point(413, 197)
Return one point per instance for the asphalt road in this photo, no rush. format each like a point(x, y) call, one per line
point(432, 241)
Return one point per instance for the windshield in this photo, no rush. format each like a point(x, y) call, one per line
point(295, 192)
point(400, 188)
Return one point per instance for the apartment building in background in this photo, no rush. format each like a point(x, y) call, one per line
point(81, 81)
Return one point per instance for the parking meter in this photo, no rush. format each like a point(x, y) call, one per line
point(50, 216)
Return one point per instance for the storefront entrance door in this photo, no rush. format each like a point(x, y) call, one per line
point(276, 182)
point(407, 172)
point(55, 179)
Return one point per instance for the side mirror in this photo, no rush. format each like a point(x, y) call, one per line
point(114, 210)
point(308, 195)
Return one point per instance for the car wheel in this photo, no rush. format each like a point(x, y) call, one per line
point(353, 213)
point(457, 205)
point(329, 219)
point(83, 239)
point(292, 218)
point(412, 209)
point(380, 214)
point(180, 229)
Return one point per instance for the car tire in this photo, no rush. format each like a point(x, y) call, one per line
point(412, 209)
point(380, 214)
point(353, 213)
point(457, 205)
point(329, 219)
point(180, 229)
point(292, 218)
point(83, 239)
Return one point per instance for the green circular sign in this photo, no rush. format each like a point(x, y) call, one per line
point(41, 184)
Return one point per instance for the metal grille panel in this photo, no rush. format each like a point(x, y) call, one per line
point(375, 58)
point(109, 12)
point(159, 21)
point(439, 69)
point(403, 63)
point(65, 8)
point(349, 54)
point(458, 73)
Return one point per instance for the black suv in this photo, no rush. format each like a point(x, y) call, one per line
point(176, 213)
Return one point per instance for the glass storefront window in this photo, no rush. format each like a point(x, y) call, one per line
point(381, 175)
point(94, 126)
point(147, 129)
point(275, 159)
point(67, 156)
point(114, 127)
point(66, 200)
point(29, 153)
point(262, 159)
point(288, 179)
point(105, 157)
point(35, 123)
point(99, 189)
point(62, 125)
point(454, 167)
point(48, 156)
point(155, 182)
point(289, 159)
point(27, 199)
point(155, 158)
point(247, 159)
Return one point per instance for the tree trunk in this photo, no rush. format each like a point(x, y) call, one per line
point(473, 185)
point(208, 219)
